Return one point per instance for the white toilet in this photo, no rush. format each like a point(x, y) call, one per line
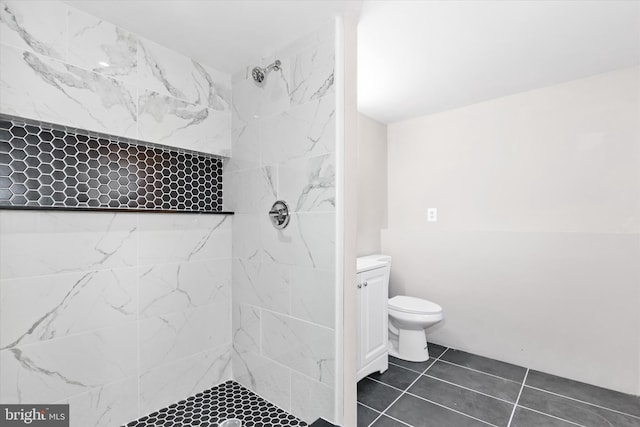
point(409, 318)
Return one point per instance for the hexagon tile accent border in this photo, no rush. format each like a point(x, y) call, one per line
point(44, 165)
point(211, 407)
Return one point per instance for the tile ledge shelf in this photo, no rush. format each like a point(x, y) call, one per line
point(107, 209)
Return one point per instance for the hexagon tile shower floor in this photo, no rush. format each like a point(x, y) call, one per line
point(211, 407)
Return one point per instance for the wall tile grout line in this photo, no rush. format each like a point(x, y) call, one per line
point(584, 402)
point(138, 370)
point(515, 405)
point(410, 385)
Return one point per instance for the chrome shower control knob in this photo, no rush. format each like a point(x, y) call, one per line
point(279, 214)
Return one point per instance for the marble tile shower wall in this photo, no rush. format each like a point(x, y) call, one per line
point(284, 143)
point(122, 313)
point(118, 314)
point(64, 66)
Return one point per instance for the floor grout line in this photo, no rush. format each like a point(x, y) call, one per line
point(582, 401)
point(450, 409)
point(549, 415)
point(405, 391)
point(523, 384)
point(388, 385)
point(470, 389)
point(536, 388)
point(482, 372)
point(515, 405)
point(397, 420)
point(404, 367)
point(369, 407)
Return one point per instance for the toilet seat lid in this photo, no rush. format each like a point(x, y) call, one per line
point(414, 305)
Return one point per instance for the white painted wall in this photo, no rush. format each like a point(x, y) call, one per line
point(535, 257)
point(372, 184)
point(347, 208)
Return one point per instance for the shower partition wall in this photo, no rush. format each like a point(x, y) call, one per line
point(122, 313)
point(284, 281)
point(115, 313)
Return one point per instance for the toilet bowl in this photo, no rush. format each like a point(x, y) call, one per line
point(409, 318)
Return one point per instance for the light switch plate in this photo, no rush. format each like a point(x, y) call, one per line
point(432, 214)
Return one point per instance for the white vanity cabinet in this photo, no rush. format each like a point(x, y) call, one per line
point(373, 330)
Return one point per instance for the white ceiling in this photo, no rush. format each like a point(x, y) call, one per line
point(225, 34)
point(421, 57)
point(414, 57)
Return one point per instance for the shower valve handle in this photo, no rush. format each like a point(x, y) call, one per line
point(279, 214)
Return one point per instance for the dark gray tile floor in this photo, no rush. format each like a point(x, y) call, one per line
point(459, 389)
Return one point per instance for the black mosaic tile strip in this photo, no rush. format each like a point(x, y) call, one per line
point(223, 402)
point(43, 165)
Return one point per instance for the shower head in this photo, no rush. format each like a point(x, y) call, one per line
point(259, 74)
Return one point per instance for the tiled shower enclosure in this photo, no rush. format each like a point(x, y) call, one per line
point(121, 313)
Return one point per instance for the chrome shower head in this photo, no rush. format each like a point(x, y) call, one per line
point(259, 74)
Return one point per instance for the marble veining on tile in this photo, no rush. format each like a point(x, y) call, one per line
point(171, 121)
point(165, 288)
point(302, 346)
point(170, 73)
point(172, 336)
point(38, 243)
point(39, 87)
point(312, 74)
point(265, 377)
point(313, 295)
point(106, 406)
point(260, 281)
point(100, 46)
point(309, 184)
point(246, 327)
point(284, 143)
point(251, 190)
point(166, 384)
point(167, 238)
point(308, 241)
point(39, 26)
point(65, 66)
point(301, 132)
point(310, 399)
point(52, 370)
point(41, 308)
